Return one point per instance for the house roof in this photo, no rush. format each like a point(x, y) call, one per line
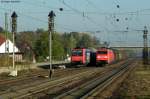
point(9, 45)
point(2, 40)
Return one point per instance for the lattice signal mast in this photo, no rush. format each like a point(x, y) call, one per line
point(145, 49)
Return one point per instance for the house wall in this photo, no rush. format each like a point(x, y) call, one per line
point(8, 44)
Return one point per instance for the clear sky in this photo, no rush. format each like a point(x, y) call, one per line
point(106, 19)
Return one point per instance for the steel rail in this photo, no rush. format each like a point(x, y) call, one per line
point(102, 87)
point(42, 87)
point(53, 92)
point(8, 85)
point(35, 89)
point(35, 75)
point(83, 90)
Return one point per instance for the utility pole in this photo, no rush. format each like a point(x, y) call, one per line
point(50, 30)
point(14, 30)
point(6, 32)
point(145, 49)
point(6, 36)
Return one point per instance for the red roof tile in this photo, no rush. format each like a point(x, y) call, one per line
point(2, 39)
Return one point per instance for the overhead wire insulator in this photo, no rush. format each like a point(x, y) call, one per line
point(83, 14)
point(118, 6)
point(117, 20)
point(61, 9)
point(126, 18)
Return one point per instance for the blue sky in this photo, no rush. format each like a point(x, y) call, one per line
point(84, 16)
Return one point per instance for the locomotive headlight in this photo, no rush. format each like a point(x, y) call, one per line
point(102, 56)
point(98, 56)
point(105, 57)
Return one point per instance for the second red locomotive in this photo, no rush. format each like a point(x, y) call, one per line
point(105, 56)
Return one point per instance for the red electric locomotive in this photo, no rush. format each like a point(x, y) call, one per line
point(80, 56)
point(105, 56)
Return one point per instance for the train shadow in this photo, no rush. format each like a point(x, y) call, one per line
point(54, 66)
point(69, 65)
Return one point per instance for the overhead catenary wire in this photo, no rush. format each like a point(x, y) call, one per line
point(37, 19)
point(86, 14)
point(45, 21)
point(79, 12)
point(40, 5)
point(93, 5)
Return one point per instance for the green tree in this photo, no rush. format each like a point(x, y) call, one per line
point(41, 46)
point(69, 42)
point(4, 33)
point(38, 43)
point(75, 39)
point(57, 46)
point(1, 29)
point(85, 41)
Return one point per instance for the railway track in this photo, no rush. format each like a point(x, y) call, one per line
point(26, 83)
point(109, 89)
point(44, 86)
point(89, 89)
point(35, 74)
point(114, 81)
point(56, 86)
point(7, 86)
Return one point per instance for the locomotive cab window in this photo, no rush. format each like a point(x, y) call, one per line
point(77, 53)
point(102, 52)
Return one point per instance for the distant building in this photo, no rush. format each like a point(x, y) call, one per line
point(6, 47)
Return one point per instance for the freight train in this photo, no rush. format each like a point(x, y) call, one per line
point(102, 56)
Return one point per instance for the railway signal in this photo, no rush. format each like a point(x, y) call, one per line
point(14, 30)
point(51, 30)
point(145, 49)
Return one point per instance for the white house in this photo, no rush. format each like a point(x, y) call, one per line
point(7, 46)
